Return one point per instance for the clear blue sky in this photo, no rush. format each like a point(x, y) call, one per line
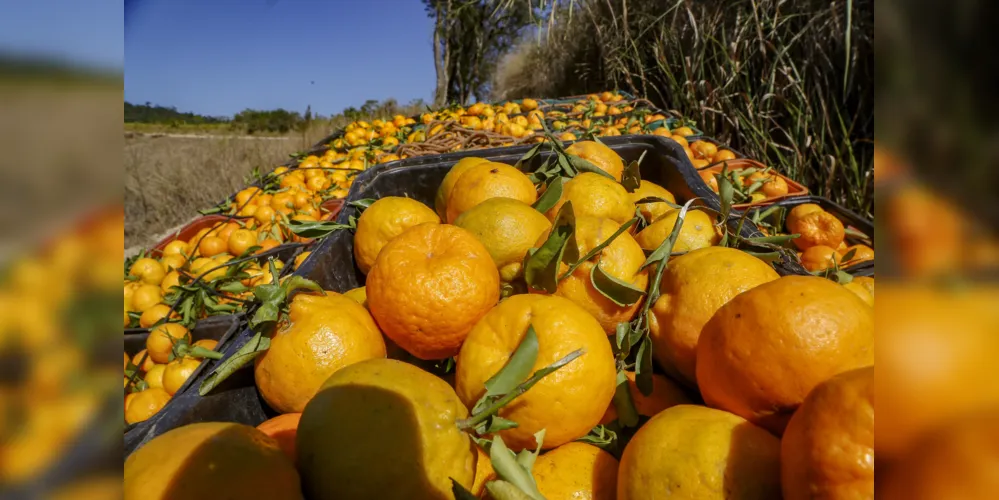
point(218, 57)
point(83, 32)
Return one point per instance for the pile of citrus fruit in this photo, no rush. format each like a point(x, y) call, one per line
point(570, 332)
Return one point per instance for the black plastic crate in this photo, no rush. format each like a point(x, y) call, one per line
point(331, 263)
point(222, 329)
point(849, 219)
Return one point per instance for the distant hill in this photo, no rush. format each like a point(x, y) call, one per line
point(148, 113)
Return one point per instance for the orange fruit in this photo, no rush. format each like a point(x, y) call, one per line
point(161, 339)
point(652, 210)
point(691, 291)
point(861, 253)
point(698, 231)
point(147, 364)
point(665, 394)
point(383, 220)
point(145, 404)
point(941, 340)
point(323, 334)
point(154, 315)
point(154, 377)
point(359, 295)
point(390, 414)
point(797, 213)
point(567, 404)
point(818, 228)
point(226, 230)
point(763, 351)
point(447, 185)
point(704, 149)
point(484, 472)
point(576, 470)
point(682, 141)
point(264, 214)
point(283, 429)
point(211, 246)
point(176, 247)
point(599, 155)
point(862, 291)
point(207, 344)
point(709, 178)
point(683, 131)
point(268, 244)
point(702, 453)
point(958, 461)
point(508, 228)
point(621, 259)
point(775, 186)
point(240, 241)
point(177, 372)
point(171, 263)
point(594, 195)
point(929, 233)
point(865, 281)
point(828, 448)
point(429, 286)
point(149, 271)
point(488, 180)
point(211, 460)
point(722, 155)
point(819, 258)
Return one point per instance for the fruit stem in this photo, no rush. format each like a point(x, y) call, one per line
point(201, 352)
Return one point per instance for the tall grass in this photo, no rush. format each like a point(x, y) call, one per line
point(786, 82)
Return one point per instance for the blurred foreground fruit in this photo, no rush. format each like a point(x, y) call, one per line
point(693, 288)
point(210, 461)
point(763, 351)
point(398, 420)
point(702, 453)
point(385, 219)
point(283, 429)
point(828, 447)
point(429, 287)
point(323, 334)
point(566, 404)
point(576, 470)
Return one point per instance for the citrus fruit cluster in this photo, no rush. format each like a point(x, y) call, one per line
point(824, 242)
point(504, 344)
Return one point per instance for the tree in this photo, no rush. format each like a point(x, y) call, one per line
point(469, 38)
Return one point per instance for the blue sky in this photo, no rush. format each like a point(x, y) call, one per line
point(218, 57)
point(83, 32)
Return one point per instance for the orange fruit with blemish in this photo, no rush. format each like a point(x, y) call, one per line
point(488, 180)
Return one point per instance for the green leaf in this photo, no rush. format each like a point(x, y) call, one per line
point(643, 367)
point(553, 192)
point(667, 245)
point(574, 264)
point(526, 458)
point(315, 229)
point(541, 267)
point(601, 437)
point(494, 424)
point(525, 161)
point(632, 177)
point(234, 287)
point(621, 334)
point(517, 368)
point(848, 256)
point(362, 203)
point(583, 165)
point(619, 292)
point(726, 192)
point(246, 354)
point(459, 491)
point(508, 469)
point(502, 490)
point(843, 277)
point(656, 199)
point(627, 415)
